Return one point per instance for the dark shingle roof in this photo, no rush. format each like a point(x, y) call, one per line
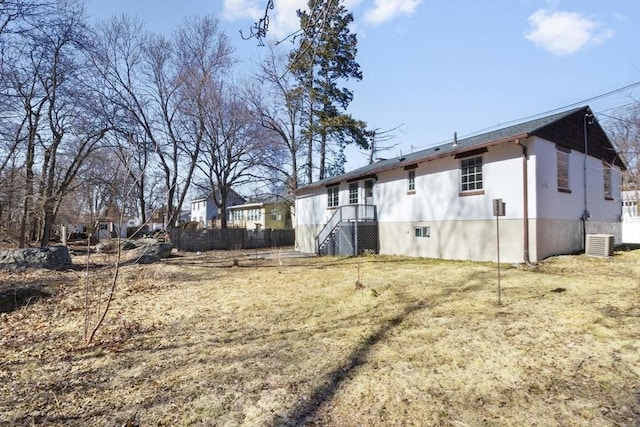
point(543, 127)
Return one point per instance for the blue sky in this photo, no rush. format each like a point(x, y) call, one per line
point(442, 66)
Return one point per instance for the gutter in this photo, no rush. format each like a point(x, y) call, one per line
point(396, 163)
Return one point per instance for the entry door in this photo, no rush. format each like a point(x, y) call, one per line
point(368, 192)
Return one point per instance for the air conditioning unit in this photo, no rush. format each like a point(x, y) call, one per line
point(599, 245)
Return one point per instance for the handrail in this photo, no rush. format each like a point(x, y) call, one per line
point(345, 213)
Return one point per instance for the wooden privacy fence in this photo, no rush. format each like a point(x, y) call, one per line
point(229, 239)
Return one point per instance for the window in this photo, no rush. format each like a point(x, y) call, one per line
point(235, 215)
point(253, 214)
point(606, 171)
point(563, 170)
point(332, 197)
point(368, 192)
point(353, 193)
point(422, 231)
point(276, 215)
point(471, 174)
point(412, 181)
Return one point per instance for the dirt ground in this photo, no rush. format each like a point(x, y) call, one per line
point(263, 338)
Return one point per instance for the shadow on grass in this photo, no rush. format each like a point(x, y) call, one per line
point(310, 261)
point(15, 295)
point(307, 409)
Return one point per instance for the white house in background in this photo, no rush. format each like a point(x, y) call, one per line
point(205, 211)
point(631, 204)
point(631, 217)
point(559, 176)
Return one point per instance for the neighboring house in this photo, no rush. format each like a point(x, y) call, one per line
point(631, 217)
point(270, 214)
point(631, 204)
point(205, 211)
point(438, 202)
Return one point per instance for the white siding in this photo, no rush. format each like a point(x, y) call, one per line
point(463, 226)
point(203, 210)
point(570, 206)
point(437, 195)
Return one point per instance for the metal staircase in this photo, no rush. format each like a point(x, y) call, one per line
point(347, 215)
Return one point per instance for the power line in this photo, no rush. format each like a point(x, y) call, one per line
point(557, 110)
point(538, 115)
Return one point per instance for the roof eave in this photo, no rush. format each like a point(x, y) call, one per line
point(403, 163)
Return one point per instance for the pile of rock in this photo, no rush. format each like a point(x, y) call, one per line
point(151, 253)
point(50, 257)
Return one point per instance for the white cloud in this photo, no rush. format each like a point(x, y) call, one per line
point(564, 33)
point(620, 16)
point(283, 19)
point(385, 10)
point(239, 9)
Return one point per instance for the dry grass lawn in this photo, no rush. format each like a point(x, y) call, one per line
point(231, 339)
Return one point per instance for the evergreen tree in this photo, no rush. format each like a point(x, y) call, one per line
point(324, 59)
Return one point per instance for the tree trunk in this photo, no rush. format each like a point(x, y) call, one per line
point(323, 155)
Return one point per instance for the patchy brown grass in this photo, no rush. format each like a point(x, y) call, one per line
point(235, 339)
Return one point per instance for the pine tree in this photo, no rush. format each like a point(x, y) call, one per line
point(325, 59)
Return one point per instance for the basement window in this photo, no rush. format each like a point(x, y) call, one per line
point(422, 231)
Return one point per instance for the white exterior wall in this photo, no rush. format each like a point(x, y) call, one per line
point(463, 227)
point(310, 212)
point(203, 210)
point(558, 214)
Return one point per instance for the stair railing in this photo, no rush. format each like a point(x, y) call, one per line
point(344, 213)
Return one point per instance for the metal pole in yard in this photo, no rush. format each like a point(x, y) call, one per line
point(498, 250)
point(498, 210)
point(355, 249)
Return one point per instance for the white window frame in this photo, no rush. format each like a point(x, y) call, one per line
point(411, 181)
point(333, 200)
point(422, 231)
point(353, 193)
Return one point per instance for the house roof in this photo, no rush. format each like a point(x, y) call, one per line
point(259, 204)
point(232, 196)
point(565, 128)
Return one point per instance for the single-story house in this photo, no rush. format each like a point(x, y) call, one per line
point(559, 177)
point(273, 213)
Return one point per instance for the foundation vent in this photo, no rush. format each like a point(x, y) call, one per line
point(599, 245)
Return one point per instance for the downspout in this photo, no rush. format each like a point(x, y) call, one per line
point(525, 203)
point(585, 212)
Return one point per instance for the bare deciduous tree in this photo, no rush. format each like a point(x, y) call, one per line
point(235, 144)
point(160, 84)
point(278, 105)
point(55, 123)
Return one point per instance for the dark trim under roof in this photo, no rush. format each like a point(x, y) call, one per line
point(565, 128)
